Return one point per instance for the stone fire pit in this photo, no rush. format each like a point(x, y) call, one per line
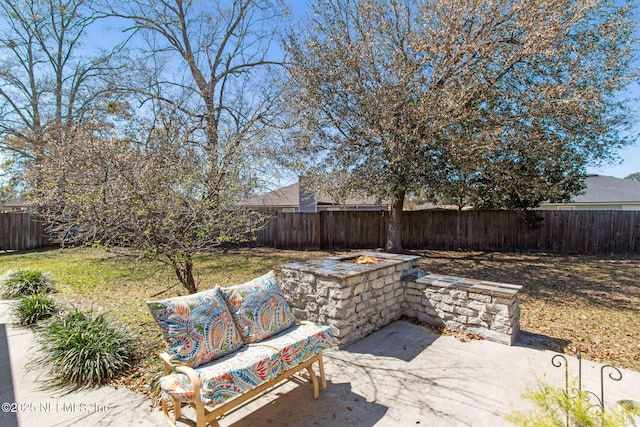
point(357, 299)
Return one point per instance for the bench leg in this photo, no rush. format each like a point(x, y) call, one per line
point(323, 379)
point(176, 408)
point(200, 416)
point(314, 381)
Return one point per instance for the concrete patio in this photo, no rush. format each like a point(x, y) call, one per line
point(400, 375)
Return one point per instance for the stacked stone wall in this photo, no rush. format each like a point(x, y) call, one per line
point(354, 306)
point(358, 304)
point(487, 309)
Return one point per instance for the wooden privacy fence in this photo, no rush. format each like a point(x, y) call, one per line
point(22, 231)
point(586, 232)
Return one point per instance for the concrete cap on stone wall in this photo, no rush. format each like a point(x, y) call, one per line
point(471, 285)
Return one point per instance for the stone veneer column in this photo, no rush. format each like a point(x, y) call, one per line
point(354, 305)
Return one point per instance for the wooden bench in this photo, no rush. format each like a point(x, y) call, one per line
point(229, 345)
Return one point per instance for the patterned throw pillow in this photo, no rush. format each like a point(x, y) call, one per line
point(259, 308)
point(198, 328)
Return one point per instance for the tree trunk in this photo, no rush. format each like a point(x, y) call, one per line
point(185, 275)
point(394, 232)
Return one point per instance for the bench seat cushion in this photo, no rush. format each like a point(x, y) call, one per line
point(243, 370)
point(298, 343)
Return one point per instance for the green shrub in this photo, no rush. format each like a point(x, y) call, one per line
point(84, 349)
point(17, 283)
point(32, 308)
point(556, 408)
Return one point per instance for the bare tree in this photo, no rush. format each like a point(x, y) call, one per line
point(142, 191)
point(48, 83)
point(505, 101)
point(169, 179)
point(210, 62)
point(164, 171)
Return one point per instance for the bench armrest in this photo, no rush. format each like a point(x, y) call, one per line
point(186, 370)
point(168, 365)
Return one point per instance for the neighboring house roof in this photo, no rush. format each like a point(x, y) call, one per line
point(607, 189)
point(604, 192)
point(281, 197)
point(291, 197)
point(433, 207)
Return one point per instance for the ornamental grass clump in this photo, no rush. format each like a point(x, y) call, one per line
point(22, 282)
point(82, 349)
point(30, 309)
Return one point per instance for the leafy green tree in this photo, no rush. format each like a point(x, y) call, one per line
point(500, 102)
point(634, 176)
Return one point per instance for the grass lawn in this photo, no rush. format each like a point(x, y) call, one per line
point(587, 301)
point(93, 279)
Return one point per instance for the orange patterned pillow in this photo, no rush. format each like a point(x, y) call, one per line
point(258, 308)
point(198, 328)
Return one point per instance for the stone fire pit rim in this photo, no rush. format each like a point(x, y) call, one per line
point(337, 265)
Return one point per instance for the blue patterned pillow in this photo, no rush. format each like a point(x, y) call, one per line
point(198, 328)
point(259, 308)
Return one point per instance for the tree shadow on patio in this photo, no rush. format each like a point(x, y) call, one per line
point(541, 342)
point(337, 406)
point(399, 343)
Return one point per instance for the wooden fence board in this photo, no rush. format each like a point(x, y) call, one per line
point(588, 232)
point(22, 231)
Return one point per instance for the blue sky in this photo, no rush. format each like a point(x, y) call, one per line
point(630, 164)
point(629, 156)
